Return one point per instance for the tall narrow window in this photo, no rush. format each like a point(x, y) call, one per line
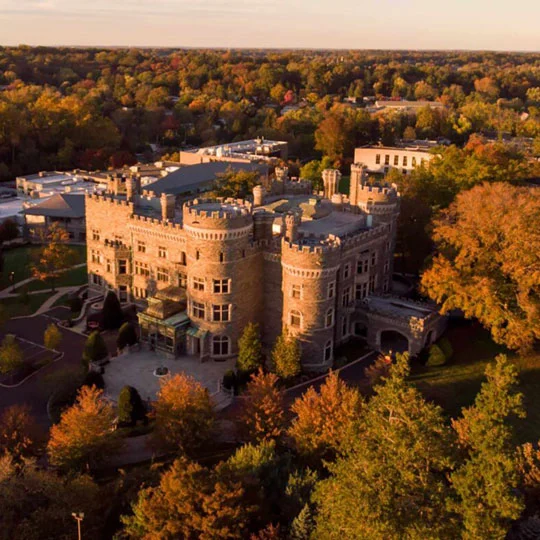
point(327, 356)
point(220, 345)
point(329, 319)
point(295, 318)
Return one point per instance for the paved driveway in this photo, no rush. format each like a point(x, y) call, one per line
point(36, 390)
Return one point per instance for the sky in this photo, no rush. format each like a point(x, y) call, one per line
point(338, 24)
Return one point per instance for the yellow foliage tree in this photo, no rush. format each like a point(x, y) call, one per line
point(183, 413)
point(84, 436)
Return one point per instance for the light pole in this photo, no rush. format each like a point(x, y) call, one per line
point(12, 279)
point(79, 517)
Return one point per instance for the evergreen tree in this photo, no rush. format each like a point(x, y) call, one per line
point(94, 348)
point(486, 483)
point(249, 350)
point(52, 337)
point(111, 314)
point(130, 406)
point(127, 335)
point(286, 356)
point(392, 479)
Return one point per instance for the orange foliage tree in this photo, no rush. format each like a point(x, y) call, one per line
point(262, 417)
point(84, 436)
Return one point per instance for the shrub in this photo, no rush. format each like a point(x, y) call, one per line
point(126, 336)
point(11, 356)
point(229, 379)
point(130, 406)
point(93, 378)
point(436, 356)
point(111, 314)
point(446, 347)
point(94, 349)
point(52, 337)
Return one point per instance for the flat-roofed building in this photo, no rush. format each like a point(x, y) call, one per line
point(380, 159)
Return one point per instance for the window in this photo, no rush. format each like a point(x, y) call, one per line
point(387, 159)
point(221, 286)
point(197, 254)
point(140, 292)
point(95, 235)
point(198, 284)
point(220, 346)
point(404, 171)
point(346, 298)
point(345, 327)
point(361, 291)
point(221, 313)
point(97, 280)
point(183, 257)
point(331, 289)
point(404, 161)
point(327, 356)
point(142, 269)
point(378, 159)
point(346, 271)
point(374, 258)
point(122, 266)
point(372, 283)
point(329, 319)
point(413, 161)
point(396, 160)
point(109, 265)
point(122, 293)
point(141, 247)
point(296, 291)
point(162, 252)
point(362, 265)
point(162, 274)
point(182, 280)
point(197, 310)
point(221, 257)
point(295, 318)
point(96, 257)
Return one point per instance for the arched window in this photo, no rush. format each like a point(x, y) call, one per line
point(220, 346)
point(328, 350)
point(295, 318)
point(329, 319)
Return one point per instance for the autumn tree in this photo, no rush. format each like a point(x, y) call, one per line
point(190, 502)
point(286, 356)
point(250, 356)
point(326, 418)
point(84, 437)
point(183, 413)
point(55, 255)
point(391, 481)
point(235, 183)
point(52, 337)
point(262, 416)
point(11, 355)
point(376, 372)
point(18, 432)
point(486, 483)
point(488, 263)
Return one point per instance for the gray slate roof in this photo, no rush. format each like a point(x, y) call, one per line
point(193, 177)
point(59, 205)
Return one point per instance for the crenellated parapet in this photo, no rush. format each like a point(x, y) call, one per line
point(107, 198)
point(212, 214)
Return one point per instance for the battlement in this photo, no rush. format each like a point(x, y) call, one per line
point(378, 193)
point(218, 213)
point(149, 220)
point(107, 198)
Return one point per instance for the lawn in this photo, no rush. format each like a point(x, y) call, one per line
point(456, 384)
point(15, 308)
point(74, 276)
point(19, 260)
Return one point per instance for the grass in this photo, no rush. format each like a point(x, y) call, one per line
point(456, 384)
point(15, 308)
point(72, 277)
point(20, 259)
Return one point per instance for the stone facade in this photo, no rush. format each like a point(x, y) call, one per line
point(311, 277)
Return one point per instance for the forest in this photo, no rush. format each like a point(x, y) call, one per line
point(98, 108)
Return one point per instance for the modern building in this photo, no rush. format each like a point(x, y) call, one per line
point(312, 264)
point(407, 106)
point(380, 159)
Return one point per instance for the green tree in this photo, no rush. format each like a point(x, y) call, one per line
point(313, 171)
point(486, 483)
point(52, 337)
point(11, 355)
point(392, 479)
point(236, 184)
point(130, 406)
point(286, 356)
point(190, 502)
point(111, 314)
point(487, 264)
point(183, 413)
point(94, 348)
point(250, 356)
point(84, 437)
point(127, 335)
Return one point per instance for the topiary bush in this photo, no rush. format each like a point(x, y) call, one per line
point(436, 356)
point(94, 349)
point(130, 406)
point(111, 314)
point(127, 335)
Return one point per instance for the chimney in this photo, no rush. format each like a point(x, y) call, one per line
point(331, 178)
point(258, 196)
point(167, 206)
point(133, 187)
point(292, 222)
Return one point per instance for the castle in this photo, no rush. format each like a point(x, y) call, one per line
point(319, 265)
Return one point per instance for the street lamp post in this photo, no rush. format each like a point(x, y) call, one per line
point(12, 279)
point(79, 517)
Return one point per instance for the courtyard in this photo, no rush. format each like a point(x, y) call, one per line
point(137, 369)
